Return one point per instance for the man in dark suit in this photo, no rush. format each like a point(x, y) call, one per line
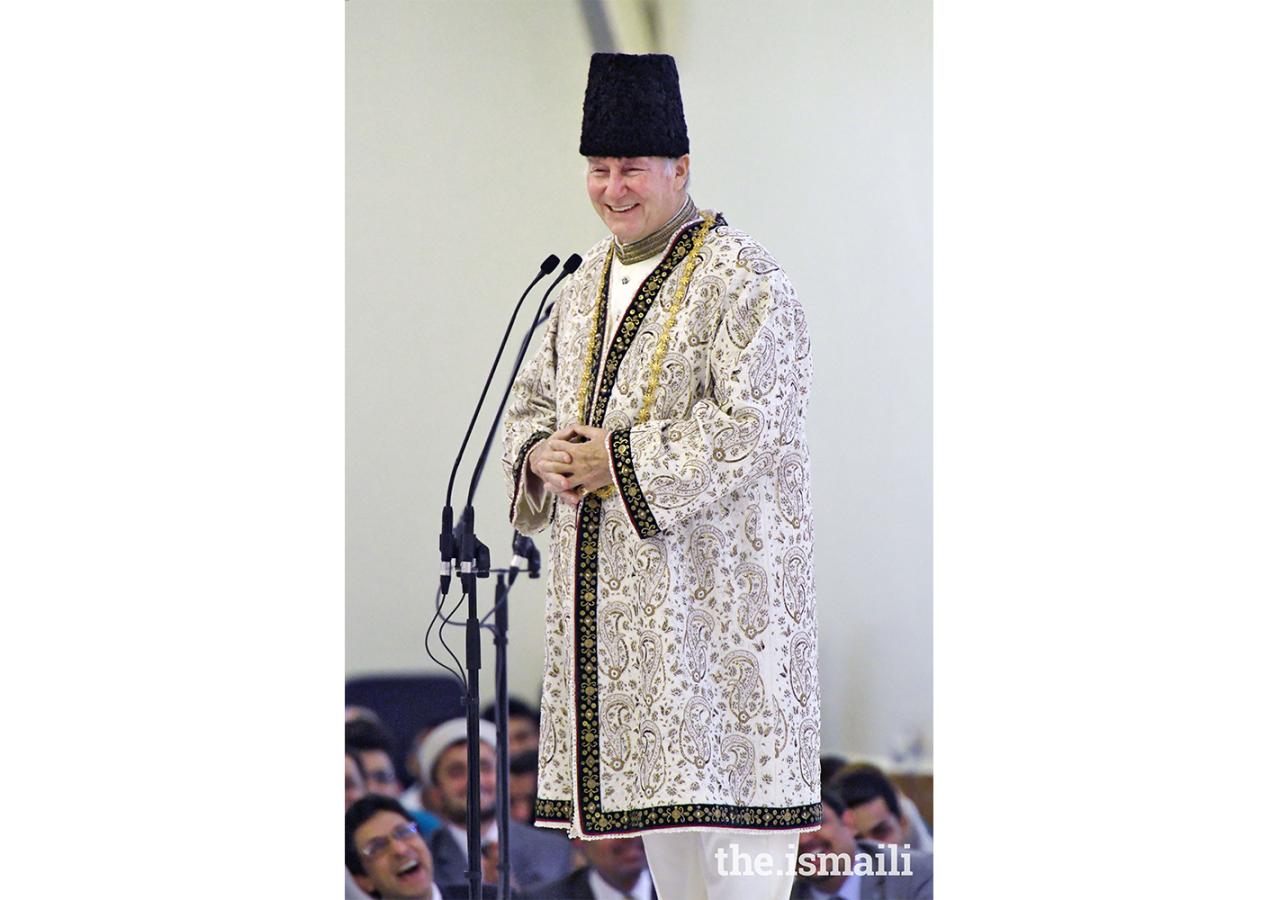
point(537, 855)
point(616, 870)
point(832, 863)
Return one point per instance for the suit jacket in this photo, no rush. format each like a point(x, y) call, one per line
point(538, 855)
point(575, 887)
point(916, 886)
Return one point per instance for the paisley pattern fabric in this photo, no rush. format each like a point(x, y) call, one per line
point(681, 672)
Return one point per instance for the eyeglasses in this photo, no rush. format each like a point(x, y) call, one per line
point(379, 845)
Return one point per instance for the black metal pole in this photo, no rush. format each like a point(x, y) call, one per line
point(501, 590)
point(467, 563)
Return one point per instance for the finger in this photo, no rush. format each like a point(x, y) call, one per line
point(587, 431)
point(556, 481)
point(552, 462)
point(560, 448)
point(554, 457)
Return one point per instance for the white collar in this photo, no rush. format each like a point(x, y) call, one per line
point(605, 891)
point(459, 833)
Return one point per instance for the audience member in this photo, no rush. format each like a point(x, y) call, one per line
point(523, 724)
point(523, 785)
point(363, 712)
point(373, 743)
point(537, 855)
point(832, 863)
point(412, 795)
point(616, 869)
point(829, 765)
point(386, 855)
point(355, 790)
point(875, 808)
point(355, 777)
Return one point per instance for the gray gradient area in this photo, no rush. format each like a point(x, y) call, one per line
point(195, 158)
point(195, 411)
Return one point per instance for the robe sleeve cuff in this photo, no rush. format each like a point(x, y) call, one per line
point(529, 513)
point(624, 476)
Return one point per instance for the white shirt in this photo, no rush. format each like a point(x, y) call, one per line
point(621, 292)
point(620, 296)
point(605, 891)
point(459, 833)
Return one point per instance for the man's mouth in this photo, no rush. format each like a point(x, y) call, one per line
point(622, 209)
point(408, 868)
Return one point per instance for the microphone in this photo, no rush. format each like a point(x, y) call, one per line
point(448, 545)
point(526, 554)
point(570, 266)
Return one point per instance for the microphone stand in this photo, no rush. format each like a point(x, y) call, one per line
point(473, 563)
point(502, 587)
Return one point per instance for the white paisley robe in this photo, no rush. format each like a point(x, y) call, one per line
point(681, 673)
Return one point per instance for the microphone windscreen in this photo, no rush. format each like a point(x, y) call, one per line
point(550, 263)
point(572, 263)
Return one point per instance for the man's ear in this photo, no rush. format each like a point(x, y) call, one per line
point(846, 818)
point(364, 882)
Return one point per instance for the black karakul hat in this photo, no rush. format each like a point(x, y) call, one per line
point(633, 107)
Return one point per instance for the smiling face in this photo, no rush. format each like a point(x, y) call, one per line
point(399, 870)
point(448, 796)
point(638, 195)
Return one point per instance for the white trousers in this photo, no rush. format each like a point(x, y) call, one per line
point(721, 865)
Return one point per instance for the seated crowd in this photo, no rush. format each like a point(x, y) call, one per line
point(410, 843)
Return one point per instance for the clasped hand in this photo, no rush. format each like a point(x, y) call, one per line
point(572, 462)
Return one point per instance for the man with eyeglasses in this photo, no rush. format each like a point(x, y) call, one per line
point(387, 856)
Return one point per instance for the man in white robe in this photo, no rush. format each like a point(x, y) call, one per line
point(659, 434)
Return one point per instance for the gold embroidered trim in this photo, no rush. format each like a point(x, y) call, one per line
point(637, 508)
point(558, 811)
point(655, 368)
point(592, 362)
